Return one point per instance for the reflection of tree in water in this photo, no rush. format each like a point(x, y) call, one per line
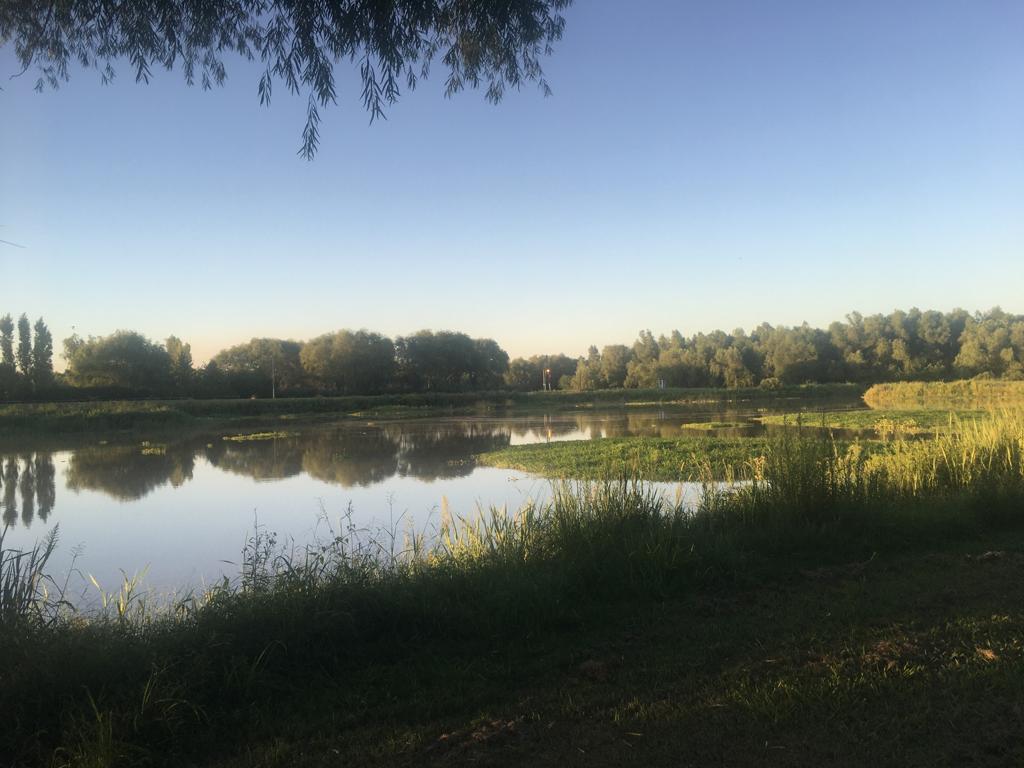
point(447, 450)
point(349, 457)
point(259, 459)
point(542, 428)
point(33, 479)
point(28, 491)
point(10, 479)
point(597, 424)
point(46, 485)
point(361, 456)
point(129, 472)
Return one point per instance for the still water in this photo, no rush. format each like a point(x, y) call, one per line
point(181, 508)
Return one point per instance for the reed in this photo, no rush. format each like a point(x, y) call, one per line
point(28, 595)
point(968, 393)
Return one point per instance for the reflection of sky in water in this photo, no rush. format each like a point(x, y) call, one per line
point(184, 509)
point(185, 534)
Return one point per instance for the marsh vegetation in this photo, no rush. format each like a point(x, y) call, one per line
point(229, 664)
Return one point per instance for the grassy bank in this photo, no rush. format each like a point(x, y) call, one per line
point(914, 671)
point(157, 414)
point(968, 394)
point(834, 588)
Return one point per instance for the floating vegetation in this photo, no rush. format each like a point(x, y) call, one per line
point(258, 436)
point(707, 426)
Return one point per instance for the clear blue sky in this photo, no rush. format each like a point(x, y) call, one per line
point(700, 165)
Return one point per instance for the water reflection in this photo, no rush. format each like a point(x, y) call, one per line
point(29, 487)
point(351, 455)
point(446, 451)
point(348, 454)
point(129, 472)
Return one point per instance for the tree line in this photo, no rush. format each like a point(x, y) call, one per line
point(26, 369)
point(339, 363)
point(900, 346)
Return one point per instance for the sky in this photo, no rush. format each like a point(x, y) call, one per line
point(700, 165)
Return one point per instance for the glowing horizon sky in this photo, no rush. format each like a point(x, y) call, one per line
point(700, 165)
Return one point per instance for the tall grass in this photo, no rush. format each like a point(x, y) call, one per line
point(28, 595)
point(975, 456)
point(968, 393)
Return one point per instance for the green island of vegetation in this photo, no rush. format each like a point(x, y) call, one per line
point(256, 436)
point(657, 459)
point(709, 426)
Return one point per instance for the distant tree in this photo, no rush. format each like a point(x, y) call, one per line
point(560, 367)
point(523, 375)
point(210, 381)
point(791, 354)
point(71, 345)
point(262, 365)
point(180, 355)
point(645, 348)
point(350, 362)
point(495, 44)
point(124, 359)
point(24, 346)
point(729, 365)
point(587, 376)
point(489, 365)
point(614, 364)
point(42, 355)
point(992, 343)
point(7, 342)
point(8, 369)
point(446, 361)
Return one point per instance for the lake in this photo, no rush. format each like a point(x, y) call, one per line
point(181, 507)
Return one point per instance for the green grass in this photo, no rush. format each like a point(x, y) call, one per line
point(661, 459)
point(885, 422)
point(972, 393)
point(825, 612)
point(905, 660)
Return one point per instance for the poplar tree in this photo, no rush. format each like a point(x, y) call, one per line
point(24, 346)
point(7, 341)
point(42, 355)
point(180, 354)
